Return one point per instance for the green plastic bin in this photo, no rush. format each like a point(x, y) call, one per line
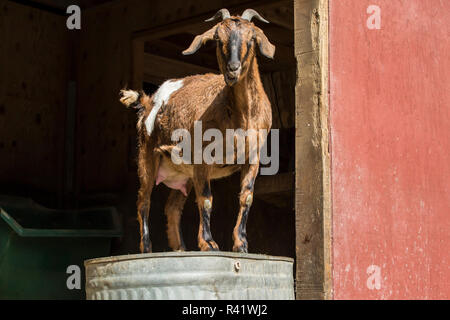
point(38, 244)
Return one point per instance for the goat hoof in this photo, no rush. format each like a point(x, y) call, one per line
point(209, 246)
point(146, 247)
point(212, 246)
point(242, 248)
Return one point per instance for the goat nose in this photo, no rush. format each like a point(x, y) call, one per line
point(233, 66)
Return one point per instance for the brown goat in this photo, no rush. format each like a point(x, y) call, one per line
point(234, 99)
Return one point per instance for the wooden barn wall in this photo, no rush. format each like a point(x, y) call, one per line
point(33, 81)
point(390, 120)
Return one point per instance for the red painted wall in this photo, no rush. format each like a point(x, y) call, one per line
point(390, 133)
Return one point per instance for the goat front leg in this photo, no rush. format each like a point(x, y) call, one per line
point(148, 165)
point(204, 201)
point(248, 176)
point(173, 210)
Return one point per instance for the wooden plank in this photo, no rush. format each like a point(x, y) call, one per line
point(173, 50)
point(311, 179)
point(326, 156)
point(303, 12)
point(166, 68)
point(197, 23)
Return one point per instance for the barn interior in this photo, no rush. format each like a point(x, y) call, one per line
point(67, 142)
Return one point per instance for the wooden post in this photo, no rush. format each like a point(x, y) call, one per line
point(312, 195)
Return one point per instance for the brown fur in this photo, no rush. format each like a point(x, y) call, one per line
point(241, 105)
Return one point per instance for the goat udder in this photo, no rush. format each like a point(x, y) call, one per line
point(177, 185)
point(172, 180)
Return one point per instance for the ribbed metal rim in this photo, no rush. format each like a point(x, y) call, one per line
point(222, 254)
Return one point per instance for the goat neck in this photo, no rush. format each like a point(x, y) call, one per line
point(246, 93)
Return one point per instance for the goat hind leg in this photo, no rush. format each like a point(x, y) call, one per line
point(148, 166)
point(173, 210)
point(143, 213)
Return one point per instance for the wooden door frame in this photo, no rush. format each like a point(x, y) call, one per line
point(312, 154)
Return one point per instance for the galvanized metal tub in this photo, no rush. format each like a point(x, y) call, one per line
point(190, 275)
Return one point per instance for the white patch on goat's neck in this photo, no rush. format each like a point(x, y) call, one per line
point(161, 97)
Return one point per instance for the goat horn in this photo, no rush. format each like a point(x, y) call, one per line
point(224, 13)
point(248, 14)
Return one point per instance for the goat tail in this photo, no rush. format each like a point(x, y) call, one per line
point(131, 98)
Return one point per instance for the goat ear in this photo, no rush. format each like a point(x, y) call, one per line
point(265, 47)
point(200, 40)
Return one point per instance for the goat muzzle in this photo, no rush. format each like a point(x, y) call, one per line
point(231, 78)
point(233, 66)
